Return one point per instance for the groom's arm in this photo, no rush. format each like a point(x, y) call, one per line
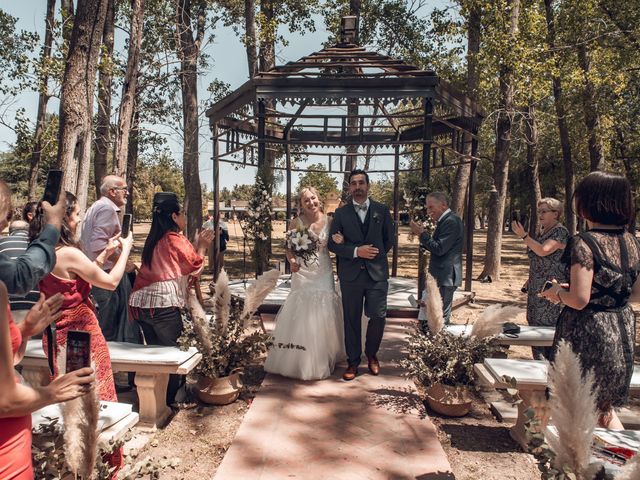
point(345, 249)
point(388, 231)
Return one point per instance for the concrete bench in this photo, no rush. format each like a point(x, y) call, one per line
point(114, 422)
point(531, 382)
point(530, 336)
point(153, 364)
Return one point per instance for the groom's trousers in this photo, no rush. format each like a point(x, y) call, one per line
point(374, 295)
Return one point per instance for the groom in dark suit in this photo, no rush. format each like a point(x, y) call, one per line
point(365, 230)
point(445, 246)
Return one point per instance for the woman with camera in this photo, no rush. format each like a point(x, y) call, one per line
point(604, 261)
point(169, 263)
point(545, 254)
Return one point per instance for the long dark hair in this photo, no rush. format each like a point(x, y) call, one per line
point(67, 238)
point(164, 205)
point(605, 198)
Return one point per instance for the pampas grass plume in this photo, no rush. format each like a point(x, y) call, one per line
point(222, 301)
point(631, 469)
point(258, 291)
point(573, 409)
point(492, 319)
point(200, 323)
point(435, 315)
point(80, 419)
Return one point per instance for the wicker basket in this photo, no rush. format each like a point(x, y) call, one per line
point(449, 401)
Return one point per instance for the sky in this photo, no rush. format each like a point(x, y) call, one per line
point(228, 64)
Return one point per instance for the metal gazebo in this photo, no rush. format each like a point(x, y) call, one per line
point(341, 104)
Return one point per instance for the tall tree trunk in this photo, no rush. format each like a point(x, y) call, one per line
point(250, 36)
point(267, 60)
point(103, 120)
point(591, 115)
point(125, 112)
point(68, 14)
point(351, 158)
point(132, 158)
point(43, 99)
point(535, 193)
point(76, 102)
point(188, 52)
point(461, 182)
point(501, 158)
point(563, 129)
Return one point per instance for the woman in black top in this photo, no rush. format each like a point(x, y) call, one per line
point(604, 265)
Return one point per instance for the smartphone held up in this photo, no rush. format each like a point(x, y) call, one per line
point(53, 186)
point(78, 350)
point(126, 225)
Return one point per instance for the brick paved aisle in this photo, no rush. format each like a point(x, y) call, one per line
point(368, 428)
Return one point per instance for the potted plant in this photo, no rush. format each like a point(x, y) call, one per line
point(226, 340)
point(441, 363)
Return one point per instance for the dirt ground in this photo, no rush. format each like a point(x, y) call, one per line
point(477, 445)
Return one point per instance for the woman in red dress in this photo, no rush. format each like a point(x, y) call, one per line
point(73, 276)
point(17, 401)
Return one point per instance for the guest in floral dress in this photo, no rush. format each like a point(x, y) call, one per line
point(545, 253)
point(597, 319)
point(169, 262)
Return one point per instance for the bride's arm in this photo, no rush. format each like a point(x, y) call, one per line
point(291, 256)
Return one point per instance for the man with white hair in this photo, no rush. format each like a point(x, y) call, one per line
point(445, 245)
point(101, 224)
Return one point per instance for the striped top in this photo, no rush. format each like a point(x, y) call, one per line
point(13, 246)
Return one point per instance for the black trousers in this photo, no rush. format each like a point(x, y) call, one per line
point(374, 295)
point(447, 302)
point(112, 310)
point(163, 326)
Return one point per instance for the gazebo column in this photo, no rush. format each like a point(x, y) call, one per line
point(216, 203)
point(471, 215)
point(287, 152)
point(427, 137)
point(396, 207)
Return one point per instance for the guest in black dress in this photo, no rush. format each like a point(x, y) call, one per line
point(604, 262)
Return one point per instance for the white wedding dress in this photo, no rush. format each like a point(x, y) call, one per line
point(310, 317)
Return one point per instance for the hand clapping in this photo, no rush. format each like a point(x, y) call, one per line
point(42, 314)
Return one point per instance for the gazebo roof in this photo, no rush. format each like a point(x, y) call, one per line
point(336, 77)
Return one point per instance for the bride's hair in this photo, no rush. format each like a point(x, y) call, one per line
point(312, 190)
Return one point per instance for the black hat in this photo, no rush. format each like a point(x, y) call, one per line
point(165, 201)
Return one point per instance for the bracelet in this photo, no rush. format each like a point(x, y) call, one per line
point(525, 236)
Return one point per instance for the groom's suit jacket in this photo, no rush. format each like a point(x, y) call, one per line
point(445, 246)
point(377, 230)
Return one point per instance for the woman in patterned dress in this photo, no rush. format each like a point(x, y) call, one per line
point(597, 319)
point(73, 276)
point(545, 253)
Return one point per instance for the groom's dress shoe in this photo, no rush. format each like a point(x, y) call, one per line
point(374, 365)
point(350, 373)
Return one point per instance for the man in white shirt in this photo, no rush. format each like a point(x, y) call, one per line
point(102, 223)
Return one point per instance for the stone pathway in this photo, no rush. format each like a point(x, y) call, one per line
point(369, 428)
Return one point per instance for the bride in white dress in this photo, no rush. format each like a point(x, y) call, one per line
point(312, 313)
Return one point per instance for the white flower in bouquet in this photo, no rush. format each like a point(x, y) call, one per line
point(303, 243)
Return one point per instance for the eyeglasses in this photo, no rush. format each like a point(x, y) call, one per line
point(122, 189)
point(542, 212)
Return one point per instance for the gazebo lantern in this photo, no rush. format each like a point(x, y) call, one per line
point(308, 105)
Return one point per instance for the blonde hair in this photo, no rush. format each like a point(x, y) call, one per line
point(554, 204)
point(313, 191)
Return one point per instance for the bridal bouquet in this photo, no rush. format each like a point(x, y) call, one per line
point(303, 242)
